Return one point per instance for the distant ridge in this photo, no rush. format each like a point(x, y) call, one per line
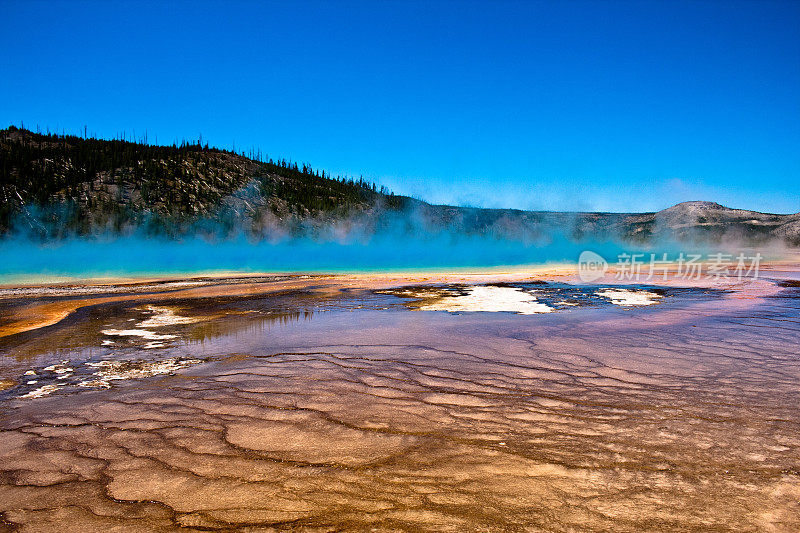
point(54, 187)
point(697, 205)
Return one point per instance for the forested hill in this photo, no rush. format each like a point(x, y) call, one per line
point(66, 185)
point(54, 186)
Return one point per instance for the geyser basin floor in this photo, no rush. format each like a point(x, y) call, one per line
point(329, 405)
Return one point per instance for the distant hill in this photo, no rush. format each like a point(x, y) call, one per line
point(54, 186)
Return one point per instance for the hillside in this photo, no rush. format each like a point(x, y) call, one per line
point(55, 186)
point(60, 185)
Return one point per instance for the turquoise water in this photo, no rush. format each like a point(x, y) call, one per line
point(135, 256)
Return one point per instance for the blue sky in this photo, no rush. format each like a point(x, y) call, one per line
point(620, 106)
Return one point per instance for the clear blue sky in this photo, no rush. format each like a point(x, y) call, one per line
point(563, 105)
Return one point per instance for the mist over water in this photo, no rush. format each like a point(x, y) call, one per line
point(379, 240)
point(134, 255)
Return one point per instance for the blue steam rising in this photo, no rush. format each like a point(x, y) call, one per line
point(139, 256)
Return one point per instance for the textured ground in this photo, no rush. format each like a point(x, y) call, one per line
point(353, 412)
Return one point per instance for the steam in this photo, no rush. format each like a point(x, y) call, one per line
point(243, 238)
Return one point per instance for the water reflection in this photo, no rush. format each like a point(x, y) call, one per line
point(152, 339)
point(251, 324)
